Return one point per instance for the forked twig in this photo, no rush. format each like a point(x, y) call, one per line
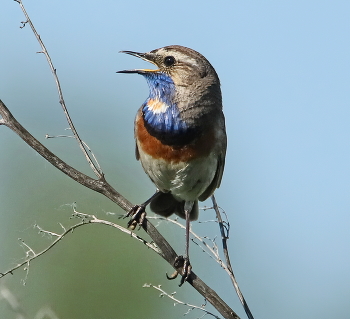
point(177, 301)
point(224, 237)
point(47, 136)
point(211, 251)
point(97, 170)
point(85, 220)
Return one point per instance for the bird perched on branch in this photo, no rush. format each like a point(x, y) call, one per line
point(180, 135)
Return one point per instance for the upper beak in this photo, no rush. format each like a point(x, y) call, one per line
point(149, 57)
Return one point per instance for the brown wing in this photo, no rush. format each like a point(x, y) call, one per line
point(138, 114)
point(220, 166)
point(216, 180)
point(137, 154)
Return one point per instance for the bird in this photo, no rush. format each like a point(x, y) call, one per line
point(180, 135)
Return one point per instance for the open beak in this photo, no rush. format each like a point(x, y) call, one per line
point(149, 57)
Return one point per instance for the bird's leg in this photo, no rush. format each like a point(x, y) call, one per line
point(184, 261)
point(186, 270)
point(138, 212)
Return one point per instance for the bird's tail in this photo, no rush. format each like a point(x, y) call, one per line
point(165, 205)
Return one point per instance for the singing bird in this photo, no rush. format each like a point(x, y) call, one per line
point(180, 134)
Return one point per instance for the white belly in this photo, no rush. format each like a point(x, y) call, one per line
point(186, 181)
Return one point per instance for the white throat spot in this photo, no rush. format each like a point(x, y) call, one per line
point(157, 106)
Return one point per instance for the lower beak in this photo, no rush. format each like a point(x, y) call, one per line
point(149, 57)
point(138, 71)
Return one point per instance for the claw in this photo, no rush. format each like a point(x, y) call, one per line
point(173, 275)
point(184, 264)
point(137, 214)
point(186, 271)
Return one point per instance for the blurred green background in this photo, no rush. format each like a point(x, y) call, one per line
point(285, 74)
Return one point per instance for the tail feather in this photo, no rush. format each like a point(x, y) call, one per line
point(165, 205)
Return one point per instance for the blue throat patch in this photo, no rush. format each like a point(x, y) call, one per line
point(167, 118)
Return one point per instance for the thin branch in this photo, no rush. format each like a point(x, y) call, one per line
point(213, 253)
point(47, 136)
point(224, 237)
point(224, 229)
point(33, 255)
point(177, 301)
point(99, 185)
point(85, 220)
point(97, 170)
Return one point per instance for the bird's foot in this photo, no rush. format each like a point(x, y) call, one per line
point(186, 269)
point(138, 214)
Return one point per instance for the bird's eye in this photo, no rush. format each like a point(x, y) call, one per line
point(169, 60)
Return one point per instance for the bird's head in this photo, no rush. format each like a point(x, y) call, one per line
point(183, 65)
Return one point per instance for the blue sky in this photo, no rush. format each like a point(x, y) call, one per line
point(285, 74)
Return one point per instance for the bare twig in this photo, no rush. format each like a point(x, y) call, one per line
point(85, 220)
point(47, 136)
point(96, 169)
point(224, 237)
point(177, 301)
point(224, 229)
point(100, 185)
point(212, 251)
